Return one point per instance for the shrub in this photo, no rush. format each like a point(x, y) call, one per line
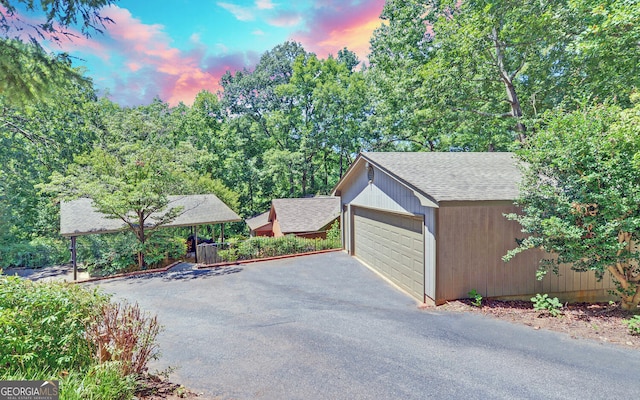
point(476, 298)
point(633, 324)
point(38, 253)
point(262, 247)
point(123, 333)
point(116, 253)
point(42, 325)
point(55, 331)
point(544, 303)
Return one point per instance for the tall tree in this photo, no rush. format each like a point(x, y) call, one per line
point(132, 170)
point(265, 117)
point(399, 48)
point(476, 73)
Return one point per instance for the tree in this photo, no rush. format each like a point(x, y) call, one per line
point(27, 71)
point(130, 173)
point(36, 140)
point(580, 195)
point(473, 75)
point(399, 49)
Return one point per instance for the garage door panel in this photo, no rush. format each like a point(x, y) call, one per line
point(393, 245)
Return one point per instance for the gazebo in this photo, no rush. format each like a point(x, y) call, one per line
point(79, 217)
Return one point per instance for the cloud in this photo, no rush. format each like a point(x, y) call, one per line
point(336, 24)
point(146, 65)
point(241, 13)
point(258, 32)
point(264, 4)
point(285, 19)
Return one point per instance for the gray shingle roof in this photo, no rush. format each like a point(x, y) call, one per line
point(306, 214)
point(453, 176)
point(258, 221)
point(78, 217)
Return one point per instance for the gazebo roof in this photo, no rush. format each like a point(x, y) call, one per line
point(79, 217)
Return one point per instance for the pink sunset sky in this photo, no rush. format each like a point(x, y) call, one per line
point(174, 49)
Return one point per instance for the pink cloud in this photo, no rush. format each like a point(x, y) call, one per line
point(337, 24)
point(155, 68)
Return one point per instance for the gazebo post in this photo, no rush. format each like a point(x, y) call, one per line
point(195, 242)
point(74, 261)
point(222, 233)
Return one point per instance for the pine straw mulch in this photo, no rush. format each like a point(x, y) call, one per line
point(596, 321)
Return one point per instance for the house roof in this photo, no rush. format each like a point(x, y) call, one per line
point(79, 217)
point(454, 176)
point(305, 214)
point(258, 221)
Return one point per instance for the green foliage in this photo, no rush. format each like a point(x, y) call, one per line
point(474, 75)
point(633, 324)
point(334, 234)
point(116, 253)
point(42, 326)
point(37, 253)
point(130, 175)
point(96, 348)
point(580, 194)
point(27, 73)
point(476, 298)
point(101, 381)
point(263, 247)
point(544, 303)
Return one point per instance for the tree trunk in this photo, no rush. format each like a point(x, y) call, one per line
point(142, 239)
point(507, 79)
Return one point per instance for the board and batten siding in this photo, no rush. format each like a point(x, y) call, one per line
point(472, 238)
point(386, 194)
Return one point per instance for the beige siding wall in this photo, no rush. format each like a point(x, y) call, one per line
point(277, 231)
point(471, 241)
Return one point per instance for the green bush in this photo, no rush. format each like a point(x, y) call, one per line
point(108, 254)
point(476, 298)
point(42, 325)
point(633, 324)
point(38, 253)
point(544, 303)
point(263, 247)
point(59, 331)
point(115, 253)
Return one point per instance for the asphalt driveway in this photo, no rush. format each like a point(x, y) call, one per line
point(325, 327)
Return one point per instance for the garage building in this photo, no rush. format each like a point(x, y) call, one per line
point(433, 225)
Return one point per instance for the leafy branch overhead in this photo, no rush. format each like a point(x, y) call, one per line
point(27, 71)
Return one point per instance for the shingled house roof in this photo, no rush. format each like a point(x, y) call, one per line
point(305, 214)
point(455, 176)
point(258, 221)
point(78, 217)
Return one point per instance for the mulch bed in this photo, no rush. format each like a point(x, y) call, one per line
point(601, 322)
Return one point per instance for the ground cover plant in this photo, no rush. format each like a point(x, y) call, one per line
point(96, 348)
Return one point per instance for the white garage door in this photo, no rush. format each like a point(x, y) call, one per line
point(393, 245)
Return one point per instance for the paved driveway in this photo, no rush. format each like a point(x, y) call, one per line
point(325, 327)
